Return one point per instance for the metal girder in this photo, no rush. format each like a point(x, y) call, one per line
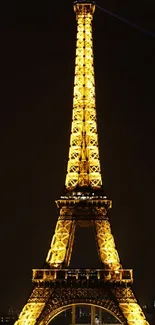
point(30, 313)
point(106, 245)
point(129, 306)
point(62, 241)
point(34, 307)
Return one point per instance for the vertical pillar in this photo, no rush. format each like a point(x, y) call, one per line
point(92, 315)
point(100, 316)
point(73, 314)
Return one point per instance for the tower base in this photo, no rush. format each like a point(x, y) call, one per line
point(91, 287)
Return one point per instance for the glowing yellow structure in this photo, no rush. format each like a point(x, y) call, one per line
point(84, 165)
point(83, 169)
point(56, 287)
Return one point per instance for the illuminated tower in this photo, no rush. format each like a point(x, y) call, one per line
point(83, 203)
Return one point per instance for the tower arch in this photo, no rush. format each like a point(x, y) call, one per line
point(45, 320)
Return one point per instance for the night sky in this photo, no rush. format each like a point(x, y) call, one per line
point(37, 69)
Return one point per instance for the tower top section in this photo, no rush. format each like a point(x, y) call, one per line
point(84, 6)
point(83, 170)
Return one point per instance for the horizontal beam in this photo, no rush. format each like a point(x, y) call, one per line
point(102, 275)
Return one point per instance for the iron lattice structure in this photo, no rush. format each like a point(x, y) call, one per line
point(84, 165)
point(57, 287)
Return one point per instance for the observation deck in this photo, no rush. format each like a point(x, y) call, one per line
point(81, 199)
point(69, 276)
point(89, 3)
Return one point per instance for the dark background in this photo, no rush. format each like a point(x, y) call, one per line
point(37, 67)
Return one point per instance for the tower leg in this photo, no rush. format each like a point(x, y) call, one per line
point(34, 307)
point(92, 315)
point(106, 245)
point(129, 306)
point(73, 314)
point(62, 242)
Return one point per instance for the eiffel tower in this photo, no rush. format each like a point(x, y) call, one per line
point(57, 287)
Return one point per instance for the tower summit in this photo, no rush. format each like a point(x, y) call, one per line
point(57, 287)
point(83, 165)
